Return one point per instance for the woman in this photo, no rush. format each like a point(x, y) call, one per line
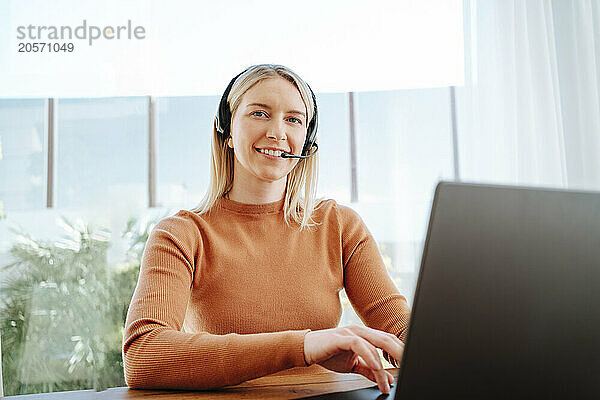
point(247, 283)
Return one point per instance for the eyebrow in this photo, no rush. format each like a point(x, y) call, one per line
point(288, 112)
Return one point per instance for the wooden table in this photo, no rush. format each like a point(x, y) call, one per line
point(268, 387)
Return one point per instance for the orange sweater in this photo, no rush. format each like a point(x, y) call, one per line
point(228, 296)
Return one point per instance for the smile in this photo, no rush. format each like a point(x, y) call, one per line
point(271, 154)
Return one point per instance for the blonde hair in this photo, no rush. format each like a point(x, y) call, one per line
point(303, 177)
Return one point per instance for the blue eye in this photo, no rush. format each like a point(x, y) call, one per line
point(299, 122)
point(255, 112)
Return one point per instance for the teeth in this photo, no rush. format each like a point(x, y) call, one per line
point(275, 153)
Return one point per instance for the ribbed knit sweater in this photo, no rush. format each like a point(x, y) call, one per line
point(228, 295)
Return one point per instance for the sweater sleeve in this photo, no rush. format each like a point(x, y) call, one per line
point(370, 289)
point(158, 354)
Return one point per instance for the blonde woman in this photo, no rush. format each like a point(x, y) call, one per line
point(247, 283)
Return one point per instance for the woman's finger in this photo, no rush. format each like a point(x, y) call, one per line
point(371, 359)
point(382, 380)
point(391, 378)
point(380, 339)
point(362, 347)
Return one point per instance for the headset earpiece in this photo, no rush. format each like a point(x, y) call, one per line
point(311, 131)
point(223, 118)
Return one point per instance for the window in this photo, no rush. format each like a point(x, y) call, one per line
point(404, 147)
point(334, 147)
point(102, 152)
point(185, 129)
point(23, 149)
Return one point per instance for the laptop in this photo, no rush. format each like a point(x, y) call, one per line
point(507, 303)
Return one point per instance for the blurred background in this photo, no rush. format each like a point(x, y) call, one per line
point(98, 144)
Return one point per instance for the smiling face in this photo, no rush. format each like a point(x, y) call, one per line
point(271, 115)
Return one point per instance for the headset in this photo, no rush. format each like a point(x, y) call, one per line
point(223, 122)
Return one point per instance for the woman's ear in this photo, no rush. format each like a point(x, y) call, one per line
point(230, 142)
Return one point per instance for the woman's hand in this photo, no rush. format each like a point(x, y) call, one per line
point(353, 349)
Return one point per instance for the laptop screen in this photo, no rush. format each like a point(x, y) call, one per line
point(508, 298)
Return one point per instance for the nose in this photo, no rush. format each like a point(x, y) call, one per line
point(276, 130)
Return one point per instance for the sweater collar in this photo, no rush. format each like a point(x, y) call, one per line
point(245, 208)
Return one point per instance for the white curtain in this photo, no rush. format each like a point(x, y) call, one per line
point(529, 112)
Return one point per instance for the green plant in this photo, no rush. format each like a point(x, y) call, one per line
point(62, 309)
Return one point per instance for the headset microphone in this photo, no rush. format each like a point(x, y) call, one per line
point(288, 155)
